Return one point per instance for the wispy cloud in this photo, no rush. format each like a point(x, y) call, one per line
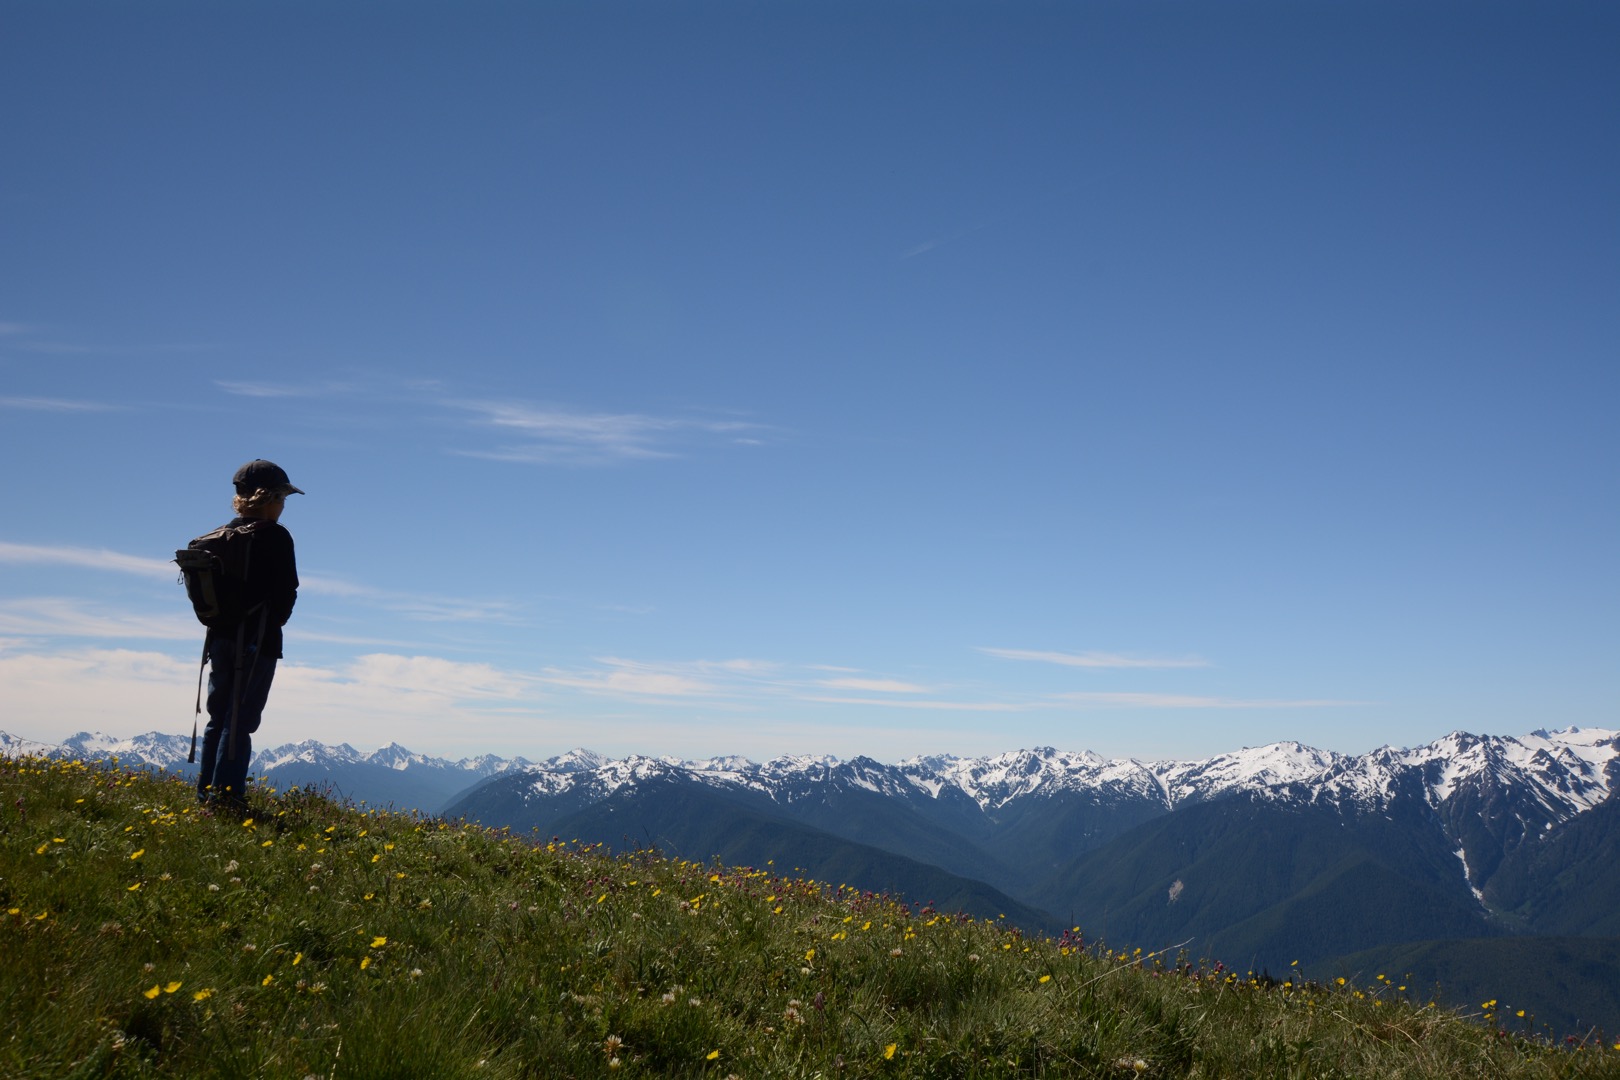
point(1097, 659)
point(941, 241)
point(759, 681)
point(427, 704)
point(373, 699)
point(710, 679)
point(282, 390)
point(436, 677)
point(526, 432)
point(86, 558)
point(1190, 701)
point(52, 616)
point(936, 705)
point(763, 683)
point(42, 404)
point(419, 606)
point(874, 686)
point(549, 434)
point(696, 708)
point(620, 678)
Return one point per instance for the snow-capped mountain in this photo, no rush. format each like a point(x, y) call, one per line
point(1566, 772)
point(389, 776)
point(1556, 774)
point(1551, 775)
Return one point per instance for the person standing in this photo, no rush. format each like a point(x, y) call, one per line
point(242, 658)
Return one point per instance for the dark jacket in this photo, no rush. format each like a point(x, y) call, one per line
point(272, 580)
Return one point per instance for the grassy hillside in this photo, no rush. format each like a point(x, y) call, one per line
point(144, 937)
point(693, 820)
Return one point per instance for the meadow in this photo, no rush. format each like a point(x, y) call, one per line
point(144, 936)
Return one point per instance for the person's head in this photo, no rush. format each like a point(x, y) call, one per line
point(262, 488)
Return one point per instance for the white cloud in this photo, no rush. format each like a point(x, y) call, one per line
point(280, 390)
point(911, 703)
point(86, 558)
point(1191, 701)
point(39, 404)
point(1097, 659)
point(54, 616)
point(441, 706)
point(876, 686)
point(423, 702)
point(631, 679)
point(712, 680)
point(96, 690)
point(559, 435)
point(537, 433)
point(414, 606)
point(420, 607)
point(434, 676)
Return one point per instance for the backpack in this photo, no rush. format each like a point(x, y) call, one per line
point(215, 569)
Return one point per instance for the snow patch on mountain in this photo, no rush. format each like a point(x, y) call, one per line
point(1468, 876)
point(1245, 770)
point(14, 746)
point(1564, 773)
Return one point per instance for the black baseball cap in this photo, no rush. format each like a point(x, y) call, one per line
point(267, 475)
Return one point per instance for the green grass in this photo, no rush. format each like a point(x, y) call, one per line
point(142, 936)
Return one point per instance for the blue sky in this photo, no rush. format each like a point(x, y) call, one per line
point(1150, 378)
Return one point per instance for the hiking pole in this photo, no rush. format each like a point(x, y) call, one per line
point(192, 758)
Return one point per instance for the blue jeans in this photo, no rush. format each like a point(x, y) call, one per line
point(223, 774)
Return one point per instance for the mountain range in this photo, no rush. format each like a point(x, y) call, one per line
point(1475, 867)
